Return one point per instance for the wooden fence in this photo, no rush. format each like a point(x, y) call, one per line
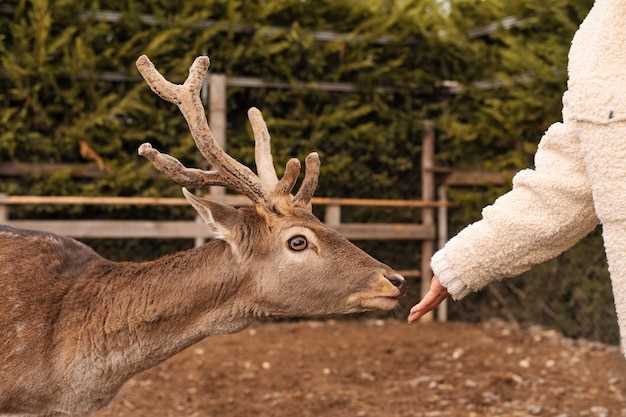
point(125, 229)
point(431, 229)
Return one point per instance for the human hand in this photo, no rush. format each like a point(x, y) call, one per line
point(435, 295)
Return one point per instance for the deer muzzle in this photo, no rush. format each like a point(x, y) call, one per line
point(383, 293)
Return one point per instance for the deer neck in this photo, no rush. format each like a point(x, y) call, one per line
point(149, 311)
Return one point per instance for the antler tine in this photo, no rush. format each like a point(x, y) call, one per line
point(197, 72)
point(187, 98)
point(262, 149)
point(286, 183)
point(309, 184)
point(180, 174)
point(157, 83)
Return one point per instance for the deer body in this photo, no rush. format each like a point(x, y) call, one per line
point(100, 322)
point(77, 326)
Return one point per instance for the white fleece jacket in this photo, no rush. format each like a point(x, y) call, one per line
point(578, 180)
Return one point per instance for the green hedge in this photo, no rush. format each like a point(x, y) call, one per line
point(51, 98)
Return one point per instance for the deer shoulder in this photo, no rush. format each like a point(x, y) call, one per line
point(39, 273)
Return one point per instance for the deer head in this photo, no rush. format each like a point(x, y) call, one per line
point(291, 263)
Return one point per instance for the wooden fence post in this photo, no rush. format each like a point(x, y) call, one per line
point(332, 216)
point(217, 118)
point(4, 209)
point(428, 194)
point(442, 233)
point(213, 94)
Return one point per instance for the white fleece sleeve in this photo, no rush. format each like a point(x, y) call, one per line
point(548, 210)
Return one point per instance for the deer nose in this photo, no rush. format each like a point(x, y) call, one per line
point(397, 281)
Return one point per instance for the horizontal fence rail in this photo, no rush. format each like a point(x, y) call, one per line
point(235, 200)
point(136, 229)
point(123, 229)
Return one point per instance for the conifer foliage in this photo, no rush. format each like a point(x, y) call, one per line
point(69, 93)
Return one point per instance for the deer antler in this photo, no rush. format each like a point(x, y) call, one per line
point(261, 189)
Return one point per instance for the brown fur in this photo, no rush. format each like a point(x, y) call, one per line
point(77, 326)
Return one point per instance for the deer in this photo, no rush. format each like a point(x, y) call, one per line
point(76, 326)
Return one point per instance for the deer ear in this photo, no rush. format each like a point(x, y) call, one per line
point(219, 217)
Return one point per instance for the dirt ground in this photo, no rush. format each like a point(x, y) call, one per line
point(382, 368)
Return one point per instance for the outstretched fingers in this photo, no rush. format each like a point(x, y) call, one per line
point(435, 295)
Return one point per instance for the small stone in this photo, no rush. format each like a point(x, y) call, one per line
point(198, 351)
point(266, 365)
point(598, 411)
point(419, 380)
point(535, 409)
point(470, 384)
point(326, 371)
point(252, 332)
point(510, 351)
point(550, 363)
point(490, 397)
point(524, 363)
point(367, 376)
point(379, 323)
point(457, 353)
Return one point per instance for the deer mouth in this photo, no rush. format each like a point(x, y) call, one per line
point(381, 302)
point(380, 293)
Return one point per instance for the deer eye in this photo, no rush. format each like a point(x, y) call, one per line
point(298, 243)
